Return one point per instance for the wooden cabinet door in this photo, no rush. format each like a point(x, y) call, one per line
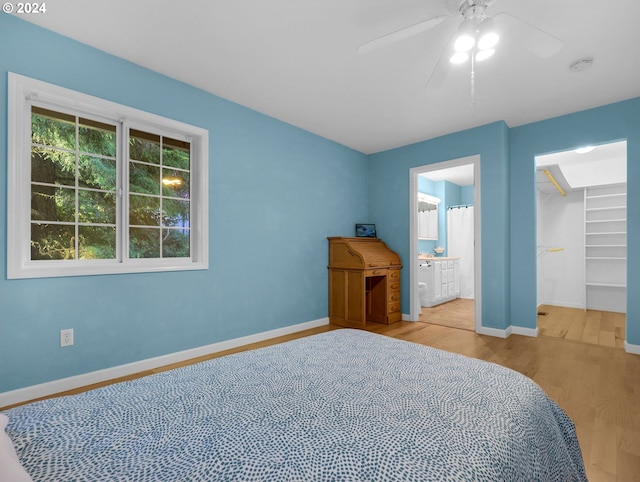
point(346, 298)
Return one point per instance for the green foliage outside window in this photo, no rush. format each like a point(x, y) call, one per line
point(74, 190)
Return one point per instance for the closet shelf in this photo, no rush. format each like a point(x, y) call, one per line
point(605, 211)
point(607, 285)
point(606, 258)
point(610, 208)
point(605, 246)
point(624, 220)
point(600, 196)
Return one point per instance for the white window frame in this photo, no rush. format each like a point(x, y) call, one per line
point(25, 92)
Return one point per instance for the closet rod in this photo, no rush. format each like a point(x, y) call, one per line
point(554, 182)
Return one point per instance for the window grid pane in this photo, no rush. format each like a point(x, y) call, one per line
point(160, 196)
point(71, 190)
point(52, 241)
point(144, 242)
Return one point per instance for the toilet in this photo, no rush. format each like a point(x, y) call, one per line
point(424, 268)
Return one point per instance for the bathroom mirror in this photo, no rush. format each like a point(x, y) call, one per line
point(427, 216)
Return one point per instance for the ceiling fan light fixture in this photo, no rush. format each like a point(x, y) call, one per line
point(466, 37)
point(488, 36)
point(464, 43)
point(488, 40)
point(459, 58)
point(484, 54)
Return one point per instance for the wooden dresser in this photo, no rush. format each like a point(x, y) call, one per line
point(364, 282)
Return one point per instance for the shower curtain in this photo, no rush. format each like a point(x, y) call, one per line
point(460, 244)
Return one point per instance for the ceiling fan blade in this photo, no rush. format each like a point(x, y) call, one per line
point(441, 69)
point(439, 74)
point(537, 41)
point(453, 6)
point(401, 34)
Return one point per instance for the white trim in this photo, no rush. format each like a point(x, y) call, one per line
point(428, 198)
point(414, 310)
point(497, 332)
point(57, 386)
point(562, 304)
point(22, 93)
point(507, 332)
point(520, 330)
point(633, 349)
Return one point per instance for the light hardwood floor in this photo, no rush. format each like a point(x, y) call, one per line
point(598, 386)
point(457, 313)
point(587, 326)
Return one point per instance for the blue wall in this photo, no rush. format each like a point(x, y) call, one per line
point(451, 198)
point(508, 207)
point(610, 123)
point(276, 193)
point(466, 195)
point(389, 206)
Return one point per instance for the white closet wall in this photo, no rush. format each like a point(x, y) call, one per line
point(561, 274)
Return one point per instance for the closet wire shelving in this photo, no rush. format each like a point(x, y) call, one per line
point(605, 247)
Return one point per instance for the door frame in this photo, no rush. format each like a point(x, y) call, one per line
point(414, 172)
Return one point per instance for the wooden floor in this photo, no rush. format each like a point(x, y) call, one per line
point(587, 326)
point(598, 386)
point(457, 313)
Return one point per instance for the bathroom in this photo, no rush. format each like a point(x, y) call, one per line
point(445, 246)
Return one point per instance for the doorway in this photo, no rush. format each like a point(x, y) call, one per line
point(443, 277)
point(581, 244)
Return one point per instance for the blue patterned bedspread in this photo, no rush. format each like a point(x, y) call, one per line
point(345, 405)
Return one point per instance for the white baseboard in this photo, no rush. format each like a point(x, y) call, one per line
point(497, 332)
point(520, 330)
point(563, 304)
point(507, 332)
point(633, 349)
point(56, 386)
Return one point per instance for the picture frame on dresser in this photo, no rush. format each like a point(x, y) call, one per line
point(366, 230)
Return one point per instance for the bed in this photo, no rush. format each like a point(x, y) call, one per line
point(337, 406)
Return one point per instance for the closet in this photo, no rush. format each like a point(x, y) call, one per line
point(605, 218)
point(582, 228)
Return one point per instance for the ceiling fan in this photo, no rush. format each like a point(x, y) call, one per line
point(476, 37)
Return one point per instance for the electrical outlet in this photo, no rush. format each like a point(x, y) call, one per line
point(66, 337)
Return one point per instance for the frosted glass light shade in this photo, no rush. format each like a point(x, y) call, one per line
point(484, 54)
point(464, 43)
point(465, 39)
point(459, 58)
point(488, 36)
point(488, 41)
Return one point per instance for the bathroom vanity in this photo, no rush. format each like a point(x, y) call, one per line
point(438, 280)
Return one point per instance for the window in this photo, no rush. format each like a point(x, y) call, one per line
point(97, 188)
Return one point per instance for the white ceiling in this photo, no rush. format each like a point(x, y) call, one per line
point(460, 175)
point(298, 61)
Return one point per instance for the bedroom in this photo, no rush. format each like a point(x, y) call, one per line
point(269, 223)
